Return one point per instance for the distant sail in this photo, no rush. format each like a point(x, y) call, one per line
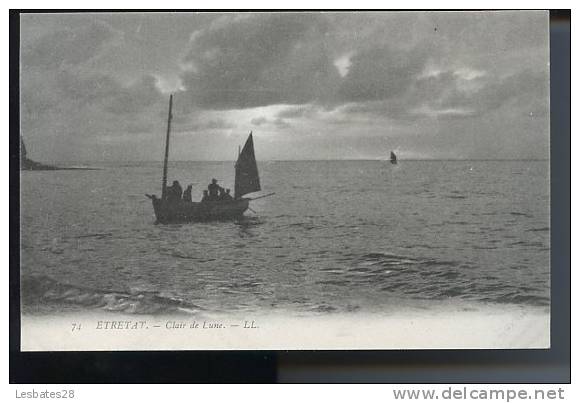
point(393, 158)
point(247, 179)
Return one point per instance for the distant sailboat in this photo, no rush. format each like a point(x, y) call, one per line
point(247, 180)
point(393, 158)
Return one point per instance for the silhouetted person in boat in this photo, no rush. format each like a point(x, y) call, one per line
point(205, 196)
point(227, 195)
point(187, 194)
point(214, 190)
point(174, 191)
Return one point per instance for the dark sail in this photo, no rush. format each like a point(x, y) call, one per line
point(393, 158)
point(247, 179)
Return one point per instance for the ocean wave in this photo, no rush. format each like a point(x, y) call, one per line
point(542, 229)
point(96, 235)
point(389, 259)
point(433, 278)
point(520, 214)
point(41, 290)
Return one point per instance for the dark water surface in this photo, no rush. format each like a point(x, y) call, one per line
point(338, 236)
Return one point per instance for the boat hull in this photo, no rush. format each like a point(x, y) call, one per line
point(183, 212)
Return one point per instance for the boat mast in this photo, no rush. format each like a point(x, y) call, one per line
point(164, 180)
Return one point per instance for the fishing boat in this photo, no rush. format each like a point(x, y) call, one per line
point(393, 158)
point(247, 180)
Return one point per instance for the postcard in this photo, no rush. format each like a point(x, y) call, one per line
point(284, 180)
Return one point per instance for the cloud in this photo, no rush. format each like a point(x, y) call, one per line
point(496, 92)
point(86, 88)
point(68, 47)
point(64, 98)
point(278, 122)
point(458, 94)
point(381, 73)
point(202, 124)
point(426, 82)
point(296, 112)
point(281, 123)
point(259, 121)
point(135, 98)
point(257, 60)
point(61, 88)
point(343, 64)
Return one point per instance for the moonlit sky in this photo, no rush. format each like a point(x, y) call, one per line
point(458, 85)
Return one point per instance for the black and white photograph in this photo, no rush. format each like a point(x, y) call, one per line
point(284, 180)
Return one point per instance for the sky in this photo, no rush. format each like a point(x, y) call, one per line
point(349, 85)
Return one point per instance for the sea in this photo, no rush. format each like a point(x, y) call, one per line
point(337, 236)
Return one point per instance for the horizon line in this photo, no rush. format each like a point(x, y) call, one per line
point(310, 160)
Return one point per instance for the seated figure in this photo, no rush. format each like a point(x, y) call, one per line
point(174, 191)
point(187, 193)
point(214, 190)
point(227, 195)
point(205, 196)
